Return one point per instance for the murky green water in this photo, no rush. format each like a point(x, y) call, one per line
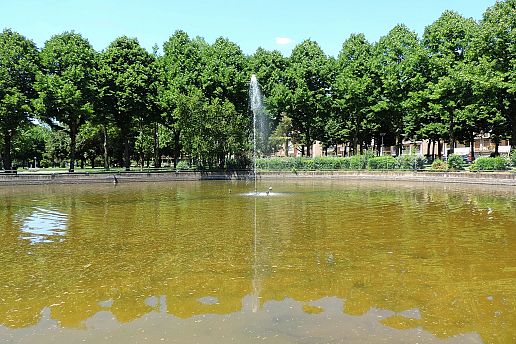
point(313, 262)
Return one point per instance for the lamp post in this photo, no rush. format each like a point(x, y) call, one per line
point(381, 147)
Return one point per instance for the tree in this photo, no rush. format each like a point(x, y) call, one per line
point(401, 64)
point(447, 41)
point(225, 86)
point(307, 91)
point(179, 84)
point(355, 90)
point(495, 47)
point(19, 63)
point(89, 143)
point(127, 83)
point(29, 145)
point(66, 84)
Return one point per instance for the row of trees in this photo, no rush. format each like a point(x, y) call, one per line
point(125, 103)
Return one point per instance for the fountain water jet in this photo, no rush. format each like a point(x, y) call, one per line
point(259, 120)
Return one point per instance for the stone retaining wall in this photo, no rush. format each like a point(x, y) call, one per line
point(493, 178)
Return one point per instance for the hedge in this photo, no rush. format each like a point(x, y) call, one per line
point(489, 164)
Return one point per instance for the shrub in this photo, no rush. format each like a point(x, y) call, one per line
point(329, 163)
point(382, 163)
point(308, 164)
point(513, 157)
point(439, 165)
point(455, 162)
point(410, 162)
point(358, 162)
point(240, 163)
point(489, 164)
point(345, 163)
point(44, 163)
point(182, 166)
point(279, 163)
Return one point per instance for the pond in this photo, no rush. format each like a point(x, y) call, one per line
point(206, 262)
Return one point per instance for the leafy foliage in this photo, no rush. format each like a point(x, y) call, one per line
point(382, 163)
point(19, 63)
point(439, 165)
point(191, 103)
point(455, 162)
point(489, 164)
point(410, 162)
point(66, 84)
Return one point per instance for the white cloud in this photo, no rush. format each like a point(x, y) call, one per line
point(283, 40)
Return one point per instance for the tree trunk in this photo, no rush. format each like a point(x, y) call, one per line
point(127, 161)
point(177, 147)
point(512, 114)
point(73, 144)
point(93, 162)
point(6, 156)
point(428, 149)
point(472, 148)
point(157, 159)
point(452, 135)
point(105, 147)
point(142, 144)
point(286, 147)
point(439, 149)
point(497, 144)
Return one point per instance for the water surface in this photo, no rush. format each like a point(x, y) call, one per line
point(205, 262)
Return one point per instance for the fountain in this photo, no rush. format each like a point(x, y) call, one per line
point(259, 121)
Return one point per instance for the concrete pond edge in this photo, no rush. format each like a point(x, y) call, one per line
point(486, 178)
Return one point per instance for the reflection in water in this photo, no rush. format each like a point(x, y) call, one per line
point(44, 225)
point(329, 262)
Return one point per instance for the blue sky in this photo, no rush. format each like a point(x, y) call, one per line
point(271, 24)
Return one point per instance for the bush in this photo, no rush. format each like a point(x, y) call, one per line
point(329, 163)
point(304, 163)
point(410, 162)
point(439, 165)
point(455, 162)
point(357, 162)
point(182, 166)
point(513, 157)
point(382, 163)
point(489, 164)
point(242, 163)
point(308, 164)
point(44, 163)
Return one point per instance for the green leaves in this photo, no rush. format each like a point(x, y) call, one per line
point(19, 63)
point(127, 80)
point(307, 84)
point(66, 84)
point(454, 83)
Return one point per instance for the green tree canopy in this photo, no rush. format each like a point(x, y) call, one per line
point(19, 63)
point(307, 91)
point(66, 84)
point(127, 82)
